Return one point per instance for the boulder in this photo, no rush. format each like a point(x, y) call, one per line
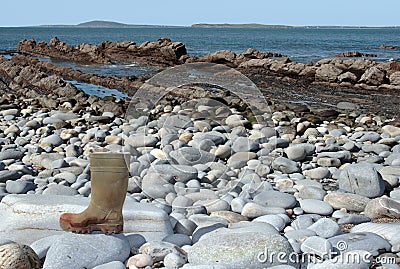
point(373, 76)
point(43, 213)
point(327, 73)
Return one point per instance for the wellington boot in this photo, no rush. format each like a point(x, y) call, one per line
point(109, 179)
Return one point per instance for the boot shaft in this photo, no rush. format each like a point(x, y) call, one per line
point(109, 179)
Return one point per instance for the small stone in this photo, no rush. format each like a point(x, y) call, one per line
point(382, 207)
point(311, 192)
point(350, 201)
point(318, 246)
point(19, 186)
point(362, 179)
point(140, 260)
point(325, 228)
point(295, 153)
point(316, 207)
point(253, 210)
point(174, 261)
point(285, 165)
point(275, 199)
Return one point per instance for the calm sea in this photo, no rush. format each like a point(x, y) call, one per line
point(299, 44)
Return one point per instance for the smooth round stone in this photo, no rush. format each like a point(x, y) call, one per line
point(325, 228)
point(215, 205)
point(138, 140)
point(139, 261)
point(254, 210)
point(317, 173)
point(375, 148)
point(182, 202)
point(353, 219)
point(158, 250)
point(243, 144)
point(232, 217)
point(315, 245)
point(53, 140)
point(311, 192)
point(350, 201)
point(275, 220)
point(191, 156)
point(174, 260)
point(392, 130)
point(285, 165)
point(235, 120)
point(178, 239)
point(181, 173)
point(299, 235)
point(57, 164)
point(19, 186)
point(237, 247)
point(362, 179)
point(55, 189)
point(237, 204)
point(316, 207)
point(304, 221)
point(185, 226)
point(263, 170)
point(77, 251)
point(67, 176)
point(382, 207)
point(299, 184)
point(157, 185)
point(198, 233)
point(275, 199)
point(360, 241)
point(11, 154)
point(223, 151)
point(329, 162)
point(295, 153)
point(205, 145)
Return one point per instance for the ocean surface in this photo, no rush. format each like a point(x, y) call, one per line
point(299, 44)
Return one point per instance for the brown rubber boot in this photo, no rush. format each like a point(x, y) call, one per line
point(109, 176)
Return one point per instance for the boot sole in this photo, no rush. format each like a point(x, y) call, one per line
point(106, 228)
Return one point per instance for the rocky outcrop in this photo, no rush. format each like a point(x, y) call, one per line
point(355, 54)
point(161, 52)
point(232, 59)
point(24, 77)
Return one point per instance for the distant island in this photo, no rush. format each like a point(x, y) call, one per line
point(111, 24)
point(240, 25)
point(107, 24)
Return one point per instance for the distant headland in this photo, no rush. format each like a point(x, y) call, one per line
point(111, 24)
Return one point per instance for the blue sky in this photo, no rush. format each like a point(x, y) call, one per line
point(187, 12)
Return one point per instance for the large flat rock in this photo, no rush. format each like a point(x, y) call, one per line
point(29, 217)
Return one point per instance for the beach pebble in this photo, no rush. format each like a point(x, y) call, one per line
point(174, 261)
point(157, 250)
point(139, 260)
point(382, 207)
point(325, 227)
point(285, 165)
point(75, 250)
point(359, 241)
point(19, 186)
point(316, 207)
point(315, 245)
point(350, 201)
point(362, 179)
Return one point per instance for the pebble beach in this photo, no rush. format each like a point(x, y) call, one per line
point(210, 186)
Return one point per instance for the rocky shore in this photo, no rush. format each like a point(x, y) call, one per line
point(209, 187)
